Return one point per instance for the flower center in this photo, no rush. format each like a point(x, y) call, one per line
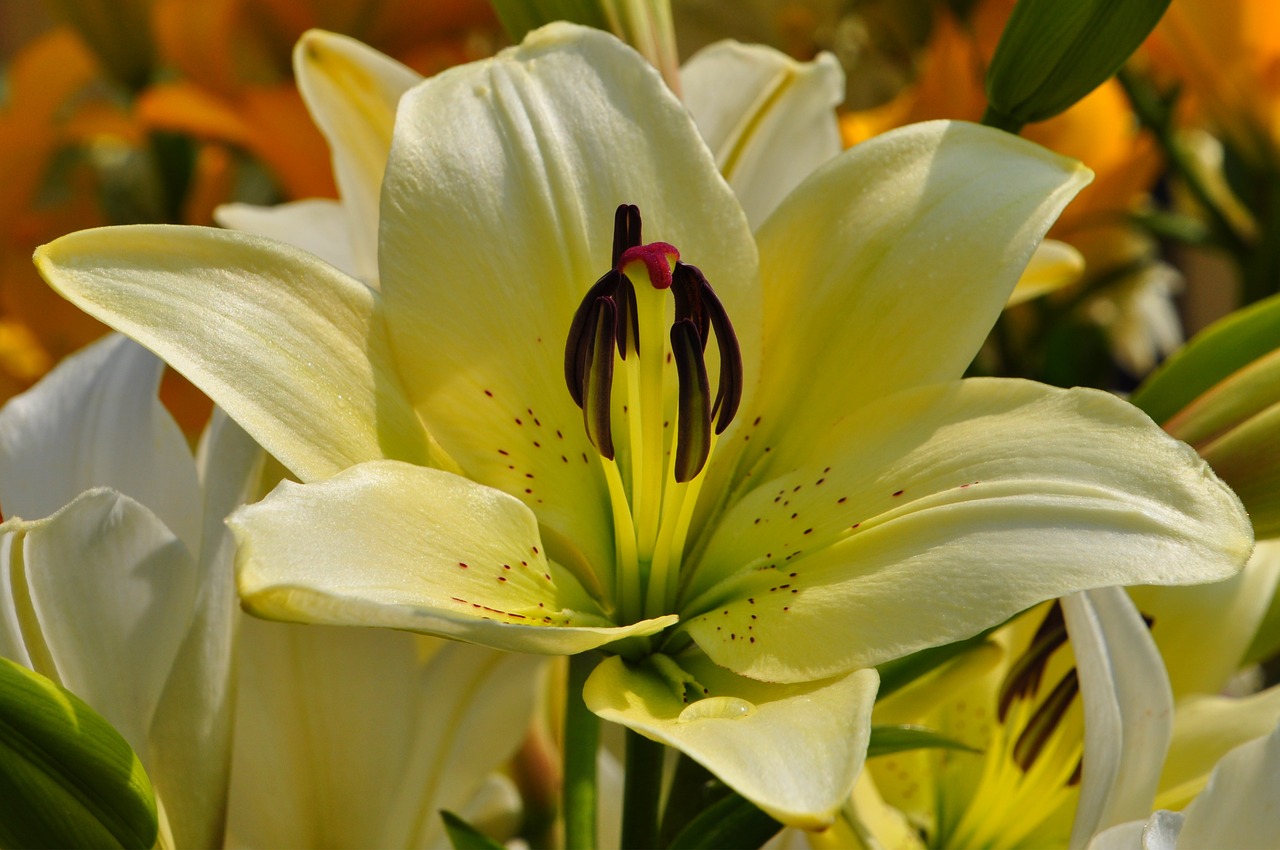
point(632, 334)
point(1032, 762)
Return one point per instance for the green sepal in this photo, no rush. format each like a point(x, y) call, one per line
point(464, 836)
point(1221, 394)
point(1053, 53)
point(520, 16)
point(886, 740)
point(67, 778)
point(731, 822)
point(1225, 347)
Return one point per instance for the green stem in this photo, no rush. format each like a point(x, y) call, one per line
point(1156, 116)
point(581, 741)
point(993, 117)
point(642, 793)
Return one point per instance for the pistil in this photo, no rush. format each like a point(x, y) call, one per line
point(668, 436)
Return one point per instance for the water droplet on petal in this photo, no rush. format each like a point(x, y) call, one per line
point(712, 708)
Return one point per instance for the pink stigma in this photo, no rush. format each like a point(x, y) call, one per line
point(657, 258)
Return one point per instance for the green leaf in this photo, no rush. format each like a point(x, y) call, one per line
point(464, 836)
point(1213, 354)
point(732, 822)
point(67, 778)
point(521, 16)
point(886, 740)
point(1053, 53)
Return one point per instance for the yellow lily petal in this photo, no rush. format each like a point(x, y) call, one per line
point(1238, 806)
point(793, 750)
point(480, 302)
point(1053, 265)
point(940, 511)
point(450, 558)
point(1205, 728)
point(352, 92)
point(1203, 632)
point(297, 351)
point(769, 119)
point(946, 216)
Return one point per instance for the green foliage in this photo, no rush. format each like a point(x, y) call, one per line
point(464, 836)
point(1052, 53)
point(67, 778)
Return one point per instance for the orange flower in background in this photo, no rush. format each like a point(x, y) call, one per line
point(1101, 131)
point(1225, 54)
point(150, 110)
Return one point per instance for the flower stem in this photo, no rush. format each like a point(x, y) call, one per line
point(642, 793)
point(581, 740)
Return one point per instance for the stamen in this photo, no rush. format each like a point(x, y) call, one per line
point(1045, 721)
point(655, 483)
point(693, 415)
point(1023, 679)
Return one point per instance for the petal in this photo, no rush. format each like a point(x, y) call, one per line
point(1205, 729)
point(406, 727)
point(103, 597)
point(352, 91)
point(398, 546)
point(769, 120)
point(1203, 632)
point(1053, 265)
point(888, 266)
point(940, 511)
point(319, 226)
point(1159, 832)
point(498, 220)
point(1238, 806)
point(193, 723)
point(291, 348)
point(793, 750)
point(95, 421)
point(1128, 710)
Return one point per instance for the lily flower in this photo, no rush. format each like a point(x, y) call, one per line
point(1236, 809)
point(118, 586)
point(1068, 714)
point(742, 572)
point(342, 737)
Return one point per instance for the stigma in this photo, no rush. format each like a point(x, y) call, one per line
point(609, 318)
point(639, 362)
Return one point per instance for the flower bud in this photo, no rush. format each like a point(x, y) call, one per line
point(1052, 54)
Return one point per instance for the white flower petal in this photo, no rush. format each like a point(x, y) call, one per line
point(769, 120)
point(95, 421)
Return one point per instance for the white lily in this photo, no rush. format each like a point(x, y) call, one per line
point(931, 508)
point(342, 737)
point(119, 587)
